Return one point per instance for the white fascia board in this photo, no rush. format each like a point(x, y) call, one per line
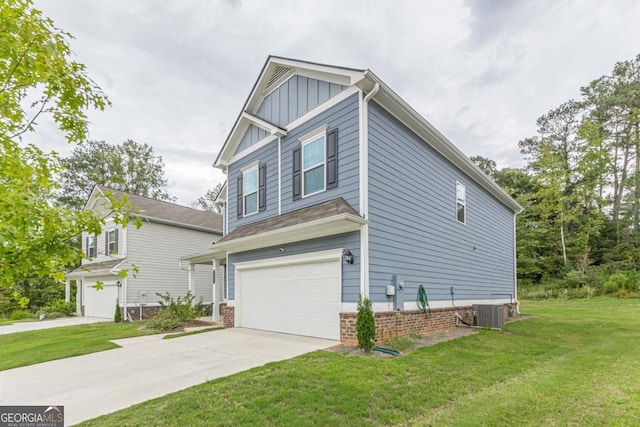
point(96, 193)
point(255, 147)
point(89, 273)
point(301, 66)
point(203, 257)
point(332, 254)
point(331, 102)
point(402, 111)
point(337, 224)
point(222, 195)
point(271, 128)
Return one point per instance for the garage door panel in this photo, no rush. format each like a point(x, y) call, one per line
point(100, 303)
point(302, 299)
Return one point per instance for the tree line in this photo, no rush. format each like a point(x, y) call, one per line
point(580, 188)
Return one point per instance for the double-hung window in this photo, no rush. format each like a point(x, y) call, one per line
point(313, 165)
point(112, 242)
point(461, 203)
point(250, 191)
point(91, 246)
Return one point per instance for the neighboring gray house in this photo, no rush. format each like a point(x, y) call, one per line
point(169, 231)
point(338, 188)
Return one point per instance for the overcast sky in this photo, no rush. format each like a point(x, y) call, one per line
point(178, 72)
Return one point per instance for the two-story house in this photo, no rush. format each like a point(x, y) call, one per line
point(337, 188)
point(168, 232)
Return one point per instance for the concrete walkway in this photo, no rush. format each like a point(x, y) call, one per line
point(48, 323)
point(144, 368)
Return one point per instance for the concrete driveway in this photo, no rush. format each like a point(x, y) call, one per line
point(144, 368)
point(46, 324)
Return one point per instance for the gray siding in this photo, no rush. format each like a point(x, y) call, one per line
point(295, 97)
point(413, 229)
point(343, 116)
point(250, 137)
point(266, 155)
point(156, 249)
point(350, 272)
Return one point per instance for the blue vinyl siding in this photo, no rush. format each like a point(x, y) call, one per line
point(413, 230)
point(343, 116)
point(350, 272)
point(250, 137)
point(295, 97)
point(266, 155)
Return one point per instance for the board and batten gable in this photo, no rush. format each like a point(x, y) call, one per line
point(252, 135)
point(414, 232)
point(295, 97)
point(156, 249)
point(344, 117)
point(350, 272)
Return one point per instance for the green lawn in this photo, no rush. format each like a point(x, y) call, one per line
point(575, 363)
point(28, 348)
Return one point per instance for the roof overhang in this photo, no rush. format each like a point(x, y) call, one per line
point(396, 106)
point(333, 225)
point(87, 271)
point(276, 71)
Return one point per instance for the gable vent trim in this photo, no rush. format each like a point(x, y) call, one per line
point(276, 75)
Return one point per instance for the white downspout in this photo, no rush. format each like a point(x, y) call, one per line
point(364, 190)
point(279, 176)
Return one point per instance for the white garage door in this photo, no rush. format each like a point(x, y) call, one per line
point(100, 303)
point(297, 295)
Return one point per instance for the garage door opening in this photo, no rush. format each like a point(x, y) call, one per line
point(299, 294)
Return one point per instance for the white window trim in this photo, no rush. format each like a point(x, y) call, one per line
point(246, 171)
point(306, 140)
point(464, 204)
point(92, 243)
point(115, 247)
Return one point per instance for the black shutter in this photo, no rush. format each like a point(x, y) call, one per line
point(106, 243)
point(116, 245)
point(239, 192)
point(86, 246)
point(262, 188)
point(95, 246)
point(297, 173)
point(332, 159)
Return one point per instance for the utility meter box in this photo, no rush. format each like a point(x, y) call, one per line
point(391, 290)
point(143, 297)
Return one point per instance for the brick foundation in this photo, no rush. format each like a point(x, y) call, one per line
point(228, 316)
point(398, 323)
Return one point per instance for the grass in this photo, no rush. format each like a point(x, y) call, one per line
point(184, 334)
point(28, 348)
point(575, 363)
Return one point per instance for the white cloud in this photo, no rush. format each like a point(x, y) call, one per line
point(480, 71)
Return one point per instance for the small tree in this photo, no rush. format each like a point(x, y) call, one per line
point(365, 325)
point(117, 317)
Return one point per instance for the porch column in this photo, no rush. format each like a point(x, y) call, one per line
point(79, 286)
point(67, 290)
point(192, 276)
point(218, 289)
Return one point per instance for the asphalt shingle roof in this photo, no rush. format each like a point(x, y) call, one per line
point(153, 209)
point(321, 210)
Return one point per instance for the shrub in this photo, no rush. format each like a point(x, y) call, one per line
point(117, 316)
point(182, 308)
point(175, 312)
point(21, 314)
point(165, 321)
point(365, 325)
point(58, 308)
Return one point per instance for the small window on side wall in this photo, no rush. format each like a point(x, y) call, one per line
point(461, 203)
point(112, 242)
point(91, 246)
point(250, 191)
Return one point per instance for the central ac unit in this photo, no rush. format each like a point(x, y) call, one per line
point(489, 316)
